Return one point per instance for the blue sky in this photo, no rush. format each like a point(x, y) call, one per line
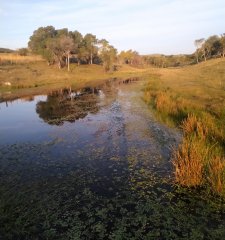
point(147, 26)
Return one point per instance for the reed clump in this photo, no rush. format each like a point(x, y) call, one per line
point(188, 161)
point(198, 161)
point(216, 175)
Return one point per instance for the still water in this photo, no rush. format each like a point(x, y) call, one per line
point(95, 164)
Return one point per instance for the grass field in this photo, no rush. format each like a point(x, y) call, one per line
point(14, 58)
point(35, 76)
point(193, 98)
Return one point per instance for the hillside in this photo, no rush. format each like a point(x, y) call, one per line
point(203, 84)
point(6, 50)
point(193, 99)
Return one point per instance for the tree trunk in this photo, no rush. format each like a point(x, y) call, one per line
point(197, 57)
point(59, 64)
point(68, 62)
point(91, 57)
point(204, 55)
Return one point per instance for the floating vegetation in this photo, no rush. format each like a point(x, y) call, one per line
point(105, 177)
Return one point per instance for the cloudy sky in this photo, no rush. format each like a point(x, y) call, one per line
point(148, 26)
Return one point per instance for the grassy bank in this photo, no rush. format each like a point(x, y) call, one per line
point(193, 98)
point(35, 77)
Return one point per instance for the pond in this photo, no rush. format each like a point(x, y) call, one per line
point(94, 163)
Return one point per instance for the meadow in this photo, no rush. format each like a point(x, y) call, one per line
point(193, 99)
point(29, 75)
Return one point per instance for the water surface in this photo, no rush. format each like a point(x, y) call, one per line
point(95, 164)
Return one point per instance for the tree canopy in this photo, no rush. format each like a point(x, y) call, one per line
point(60, 46)
point(57, 46)
point(212, 47)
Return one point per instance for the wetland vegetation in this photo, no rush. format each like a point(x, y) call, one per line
point(100, 145)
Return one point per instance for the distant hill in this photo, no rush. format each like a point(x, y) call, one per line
point(6, 50)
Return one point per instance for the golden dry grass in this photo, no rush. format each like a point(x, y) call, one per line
point(192, 125)
point(14, 58)
point(193, 98)
point(216, 176)
point(197, 162)
point(188, 161)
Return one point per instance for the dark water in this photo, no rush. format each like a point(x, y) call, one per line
point(95, 164)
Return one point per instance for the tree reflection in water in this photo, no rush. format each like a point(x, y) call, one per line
point(67, 105)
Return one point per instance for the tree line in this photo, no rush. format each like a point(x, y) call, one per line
point(212, 47)
point(60, 46)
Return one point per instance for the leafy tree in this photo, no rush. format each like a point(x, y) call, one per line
point(213, 46)
point(39, 39)
point(77, 39)
point(222, 41)
point(198, 44)
point(62, 32)
point(23, 51)
point(90, 42)
point(67, 45)
point(107, 54)
point(61, 47)
point(130, 57)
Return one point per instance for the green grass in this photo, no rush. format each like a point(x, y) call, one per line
point(193, 98)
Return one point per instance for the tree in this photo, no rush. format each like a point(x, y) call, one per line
point(23, 51)
point(130, 57)
point(90, 42)
point(79, 50)
point(222, 41)
point(107, 54)
point(61, 48)
point(198, 44)
point(67, 45)
point(213, 46)
point(57, 46)
point(39, 39)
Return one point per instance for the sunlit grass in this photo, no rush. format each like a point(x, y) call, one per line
point(193, 98)
point(14, 58)
point(36, 77)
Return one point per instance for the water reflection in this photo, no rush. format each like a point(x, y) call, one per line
point(99, 178)
point(68, 105)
